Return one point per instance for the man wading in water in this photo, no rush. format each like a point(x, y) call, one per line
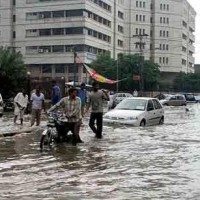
point(95, 100)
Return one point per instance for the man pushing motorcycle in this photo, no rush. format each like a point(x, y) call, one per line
point(72, 109)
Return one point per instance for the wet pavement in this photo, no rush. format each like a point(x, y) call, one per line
point(157, 162)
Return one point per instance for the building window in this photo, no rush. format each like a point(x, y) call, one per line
point(58, 49)
point(183, 49)
point(120, 43)
point(74, 30)
point(160, 60)
point(136, 17)
point(136, 3)
point(44, 49)
point(160, 6)
point(161, 20)
point(167, 60)
point(59, 68)
point(14, 18)
point(44, 32)
point(58, 31)
point(136, 31)
point(183, 62)
point(46, 68)
point(120, 29)
point(59, 14)
point(144, 4)
point(14, 34)
point(73, 68)
point(120, 15)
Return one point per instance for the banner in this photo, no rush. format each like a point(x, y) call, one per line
point(97, 76)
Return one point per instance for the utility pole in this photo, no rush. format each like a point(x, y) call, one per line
point(141, 45)
point(75, 55)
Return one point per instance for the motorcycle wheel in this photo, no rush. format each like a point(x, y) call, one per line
point(42, 141)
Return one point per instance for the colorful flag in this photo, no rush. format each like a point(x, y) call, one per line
point(95, 75)
point(98, 77)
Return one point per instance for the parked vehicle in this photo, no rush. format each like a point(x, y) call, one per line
point(56, 131)
point(190, 98)
point(111, 102)
point(197, 98)
point(136, 111)
point(118, 97)
point(9, 104)
point(1, 106)
point(174, 100)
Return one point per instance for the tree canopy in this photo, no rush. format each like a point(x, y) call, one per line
point(12, 71)
point(128, 66)
point(187, 82)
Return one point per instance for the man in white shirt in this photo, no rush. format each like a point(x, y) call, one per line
point(37, 103)
point(20, 102)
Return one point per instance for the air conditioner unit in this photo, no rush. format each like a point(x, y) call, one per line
point(41, 50)
point(41, 16)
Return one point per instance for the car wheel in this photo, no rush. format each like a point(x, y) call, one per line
point(166, 104)
point(143, 123)
point(161, 120)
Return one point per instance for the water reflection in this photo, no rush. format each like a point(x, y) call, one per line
point(158, 162)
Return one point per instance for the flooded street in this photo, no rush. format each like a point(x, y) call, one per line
point(157, 162)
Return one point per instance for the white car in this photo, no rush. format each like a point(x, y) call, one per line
point(136, 111)
point(1, 106)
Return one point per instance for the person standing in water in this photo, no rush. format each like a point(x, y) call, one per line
point(95, 101)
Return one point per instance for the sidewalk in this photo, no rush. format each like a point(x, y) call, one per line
point(8, 128)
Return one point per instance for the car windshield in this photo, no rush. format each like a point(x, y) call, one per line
point(132, 104)
point(168, 97)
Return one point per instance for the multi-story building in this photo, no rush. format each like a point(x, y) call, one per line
point(170, 25)
point(48, 32)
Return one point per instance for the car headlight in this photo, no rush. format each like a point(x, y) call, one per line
point(107, 117)
point(132, 118)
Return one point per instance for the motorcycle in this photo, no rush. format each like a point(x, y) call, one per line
point(56, 131)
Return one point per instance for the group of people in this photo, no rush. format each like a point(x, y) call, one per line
point(74, 105)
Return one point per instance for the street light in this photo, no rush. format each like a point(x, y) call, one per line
point(75, 55)
point(63, 82)
point(28, 91)
point(28, 84)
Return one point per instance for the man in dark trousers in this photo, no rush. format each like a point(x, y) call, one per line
point(95, 100)
point(55, 93)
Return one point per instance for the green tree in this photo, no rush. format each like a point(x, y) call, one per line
point(128, 65)
point(12, 71)
point(187, 82)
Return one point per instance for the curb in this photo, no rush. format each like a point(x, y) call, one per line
point(17, 132)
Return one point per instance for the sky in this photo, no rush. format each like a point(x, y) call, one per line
point(196, 5)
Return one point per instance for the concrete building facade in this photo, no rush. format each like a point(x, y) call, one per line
point(48, 31)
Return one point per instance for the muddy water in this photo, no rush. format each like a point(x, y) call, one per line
point(158, 162)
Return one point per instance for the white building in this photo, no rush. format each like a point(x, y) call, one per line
point(47, 32)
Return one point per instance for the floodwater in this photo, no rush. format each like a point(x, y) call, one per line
point(157, 162)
